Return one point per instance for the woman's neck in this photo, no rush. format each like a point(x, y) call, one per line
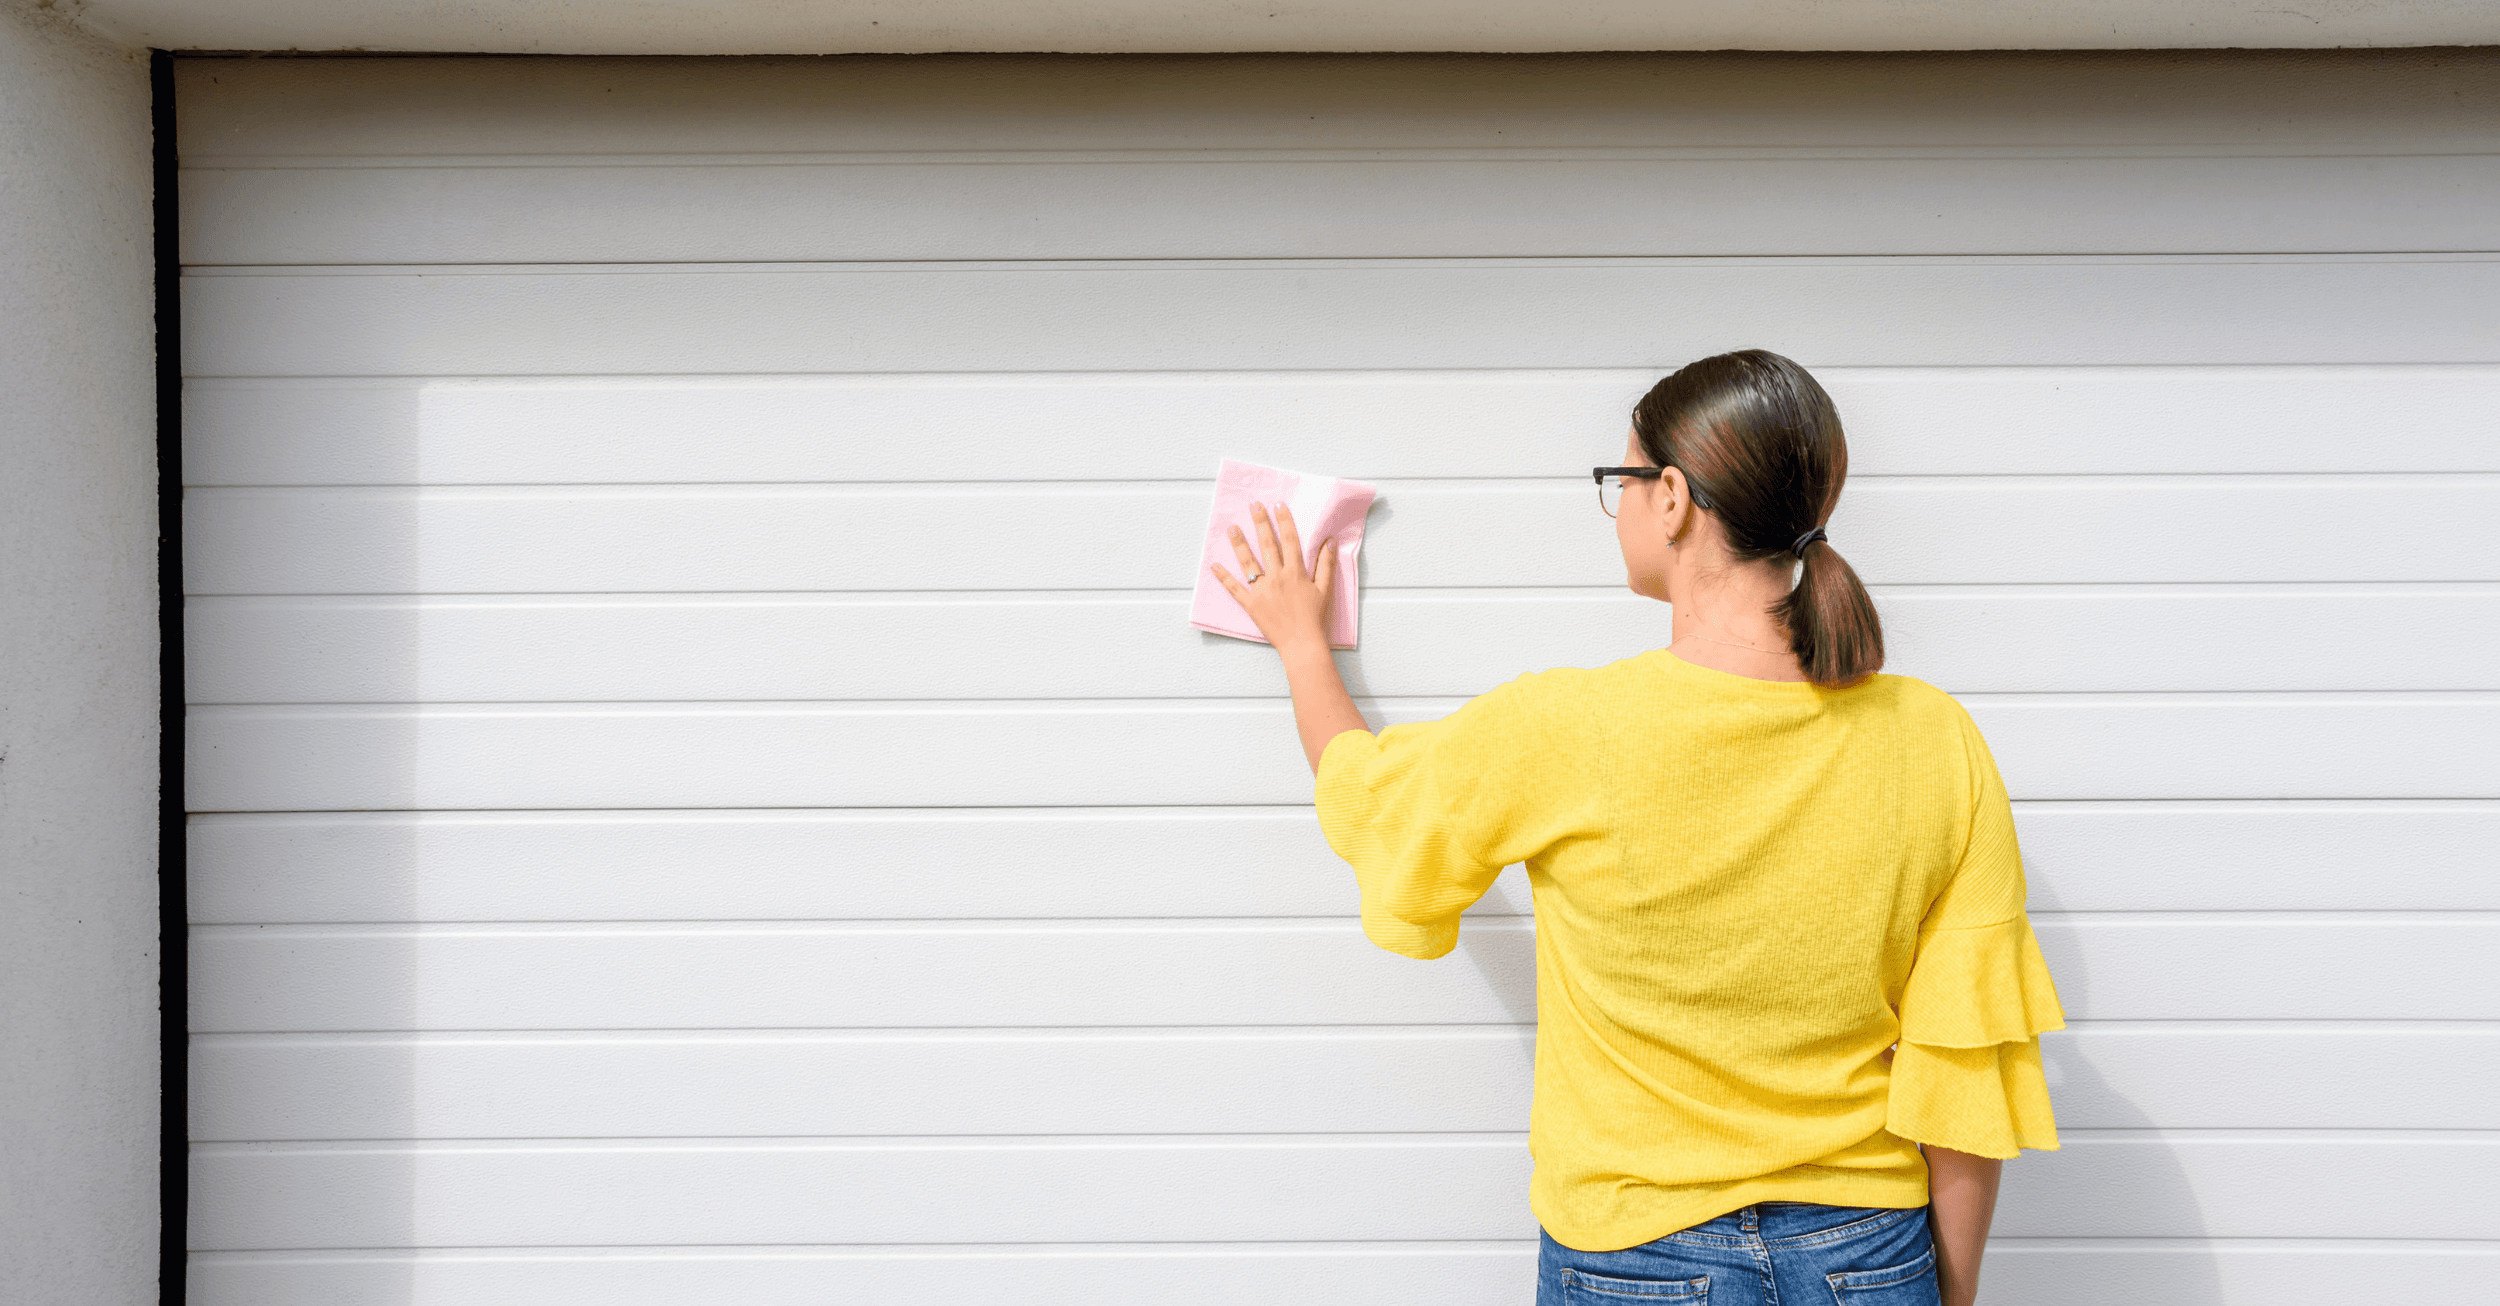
point(1723, 621)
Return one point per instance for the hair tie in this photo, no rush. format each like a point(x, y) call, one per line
point(1799, 548)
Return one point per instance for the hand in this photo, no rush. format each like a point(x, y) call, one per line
point(1289, 604)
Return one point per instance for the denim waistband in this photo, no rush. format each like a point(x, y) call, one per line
point(1791, 1224)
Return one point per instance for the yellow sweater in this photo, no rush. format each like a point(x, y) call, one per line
point(1747, 892)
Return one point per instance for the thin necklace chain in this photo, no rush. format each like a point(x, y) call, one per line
point(1729, 642)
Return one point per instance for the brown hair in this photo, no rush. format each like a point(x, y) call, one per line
point(1760, 443)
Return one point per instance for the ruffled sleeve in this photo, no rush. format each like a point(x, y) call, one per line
point(1967, 1072)
point(1429, 812)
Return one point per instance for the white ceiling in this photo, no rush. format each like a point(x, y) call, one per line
point(1123, 26)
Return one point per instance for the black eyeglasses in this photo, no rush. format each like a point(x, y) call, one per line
point(1610, 485)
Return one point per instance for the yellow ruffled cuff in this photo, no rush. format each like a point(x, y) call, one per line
point(1967, 1073)
point(1970, 988)
point(1991, 1101)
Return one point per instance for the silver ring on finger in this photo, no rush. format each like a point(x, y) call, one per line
point(1253, 580)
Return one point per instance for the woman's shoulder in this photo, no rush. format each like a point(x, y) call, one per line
point(1914, 694)
point(1926, 709)
point(1531, 690)
point(1546, 701)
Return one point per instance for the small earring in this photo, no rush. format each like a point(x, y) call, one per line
point(1670, 541)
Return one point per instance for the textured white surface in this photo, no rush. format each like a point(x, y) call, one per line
point(79, 1059)
point(660, 647)
point(907, 26)
point(2241, 1272)
point(1202, 862)
point(672, 778)
point(2109, 1075)
point(892, 975)
point(1220, 750)
point(1190, 315)
point(1252, 1188)
point(1903, 421)
point(1115, 535)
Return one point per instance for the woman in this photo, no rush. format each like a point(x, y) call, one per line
point(1788, 999)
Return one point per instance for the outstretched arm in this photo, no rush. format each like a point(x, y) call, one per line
point(1962, 1190)
point(1290, 606)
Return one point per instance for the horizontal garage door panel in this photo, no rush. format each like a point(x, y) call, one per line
point(2257, 1183)
point(1201, 862)
point(2037, 1272)
point(2050, 746)
point(1906, 530)
point(2198, 1272)
point(1415, 313)
point(2120, 966)
point(1417, 643)
point(303, 1087)
point(1440, 1273)
point(530, 111)
point(1943, 421)
point(1387, 203)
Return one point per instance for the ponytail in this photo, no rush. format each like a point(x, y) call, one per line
point(1759, 440)
point(1830, 619)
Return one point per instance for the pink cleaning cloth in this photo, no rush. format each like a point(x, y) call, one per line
point(1324, 507)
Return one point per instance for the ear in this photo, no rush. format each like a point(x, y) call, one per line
point(1675, 502)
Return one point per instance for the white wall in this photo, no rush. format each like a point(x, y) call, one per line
point(708, 792)
point(78, 690)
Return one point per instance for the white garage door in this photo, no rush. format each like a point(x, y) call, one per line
point(707, 792)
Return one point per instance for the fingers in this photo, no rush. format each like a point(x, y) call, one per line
point(1289, 536)
point(1240, 593)
point(1267, 535)
point(1241, 550)
point(1280, 547)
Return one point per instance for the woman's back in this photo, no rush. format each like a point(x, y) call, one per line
point(1746, 892)
point(1780, 930)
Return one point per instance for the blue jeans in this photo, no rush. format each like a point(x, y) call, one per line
point(1768, 1254)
